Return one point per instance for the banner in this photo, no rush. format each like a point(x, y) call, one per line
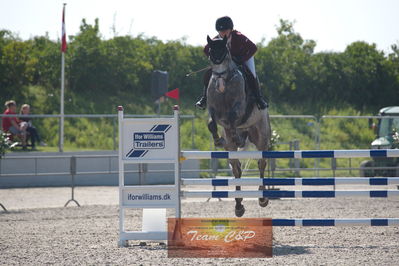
point(220, 238)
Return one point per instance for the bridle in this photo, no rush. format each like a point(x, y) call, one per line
point(218, 61)
point(221, 77)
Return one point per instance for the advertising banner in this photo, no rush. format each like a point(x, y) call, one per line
point(220, 238)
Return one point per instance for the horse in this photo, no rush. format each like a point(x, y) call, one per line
point(231, 106)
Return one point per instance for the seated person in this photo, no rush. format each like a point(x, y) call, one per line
point(11, 124)
point(26, 122)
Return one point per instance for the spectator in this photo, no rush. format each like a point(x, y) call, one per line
point(10, 123)
point(26, 122)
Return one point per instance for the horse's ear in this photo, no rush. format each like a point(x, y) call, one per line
point(209, 40)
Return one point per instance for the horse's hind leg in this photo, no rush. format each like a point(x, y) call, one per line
point(262, 166)
point(236, 167)
point(260, 136)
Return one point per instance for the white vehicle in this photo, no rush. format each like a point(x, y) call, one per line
point(387, 133)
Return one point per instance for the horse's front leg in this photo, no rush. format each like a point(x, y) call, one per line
point(262, 166)
point(236, 168)
point(213, 128)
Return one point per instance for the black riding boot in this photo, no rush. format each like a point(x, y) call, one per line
point(260, 101)
point(202, 101)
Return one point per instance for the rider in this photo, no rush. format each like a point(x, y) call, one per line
point(242, 51)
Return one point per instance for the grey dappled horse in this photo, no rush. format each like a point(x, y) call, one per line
point(230, 106)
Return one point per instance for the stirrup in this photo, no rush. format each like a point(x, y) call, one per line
point(201, 104)
point(261, 103)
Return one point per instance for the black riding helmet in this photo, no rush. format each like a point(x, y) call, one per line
point(224, 23)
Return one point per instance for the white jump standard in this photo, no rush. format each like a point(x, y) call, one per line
point(157, 140)
point(144, 140)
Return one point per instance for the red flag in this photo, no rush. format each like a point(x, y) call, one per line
point(173, 94)
point(63, 38)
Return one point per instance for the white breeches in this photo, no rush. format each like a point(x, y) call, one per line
point(250, 63)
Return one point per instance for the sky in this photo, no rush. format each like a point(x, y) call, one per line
point(333, 24)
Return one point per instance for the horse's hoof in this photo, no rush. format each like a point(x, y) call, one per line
point(219, 142)
point(240, 211)
point(263, 202)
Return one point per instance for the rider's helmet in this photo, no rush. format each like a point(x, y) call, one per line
point(224, 23)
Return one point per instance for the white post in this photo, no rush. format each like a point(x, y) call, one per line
point(122, 243)
point(63, 50)
point(177, 162)
point(61, 140)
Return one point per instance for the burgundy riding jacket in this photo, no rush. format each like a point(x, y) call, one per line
point(241, 47)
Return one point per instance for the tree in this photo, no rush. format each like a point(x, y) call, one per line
point(283, 65)
point(16, 67)
point(364, 68)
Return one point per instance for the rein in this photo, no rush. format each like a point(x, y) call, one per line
point(198, 71)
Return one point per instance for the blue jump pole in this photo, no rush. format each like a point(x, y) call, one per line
point(290, 181)
point(293, 194)
point(388, 153)
point(337, 222)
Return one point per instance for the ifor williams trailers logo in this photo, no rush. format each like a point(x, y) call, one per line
point(149, 140)
point(154, 139)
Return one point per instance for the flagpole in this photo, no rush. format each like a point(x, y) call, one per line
point(61, 148)
point(61, 144)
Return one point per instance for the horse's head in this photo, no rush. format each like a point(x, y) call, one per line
point(217, 50)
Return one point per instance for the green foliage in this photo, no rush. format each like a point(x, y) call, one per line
point(274, 140)
point(102, 74)
point(80, 133)
point(395, 139)
point(292, 73)
point(5, 143)
point(345, 133)
point(88, 133)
